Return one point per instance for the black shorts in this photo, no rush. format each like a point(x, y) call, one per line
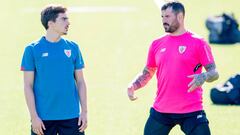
point(187, 121)
point(61, 127)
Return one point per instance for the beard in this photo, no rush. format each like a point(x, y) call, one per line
point(171, 28)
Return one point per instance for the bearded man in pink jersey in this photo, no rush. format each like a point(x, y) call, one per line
point(178, 58)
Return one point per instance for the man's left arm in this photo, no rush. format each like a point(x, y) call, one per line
point(82, 90)
point(210, 75)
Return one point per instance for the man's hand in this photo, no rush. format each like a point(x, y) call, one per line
point(130, 92)
point(82, 121)
point(140, 81)
point(38, 126)
point(198, 80)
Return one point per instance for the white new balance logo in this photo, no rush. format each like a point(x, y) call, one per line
point(44, 54)
point(163, 50)
point(199, 116)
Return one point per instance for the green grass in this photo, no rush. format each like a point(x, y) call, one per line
point(114, 46)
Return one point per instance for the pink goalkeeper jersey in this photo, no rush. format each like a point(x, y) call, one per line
point(175, 58)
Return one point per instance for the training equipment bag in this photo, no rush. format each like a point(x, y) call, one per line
point(228, 93)
point(223, 29)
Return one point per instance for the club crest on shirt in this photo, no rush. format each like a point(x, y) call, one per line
point(182, 49)
point(67, 52)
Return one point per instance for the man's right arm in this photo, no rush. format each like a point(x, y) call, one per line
point(28, 91)
point(37, 124)
point(140, 81)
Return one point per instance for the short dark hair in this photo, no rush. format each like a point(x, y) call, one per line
point(50, 13)
point(176, 6)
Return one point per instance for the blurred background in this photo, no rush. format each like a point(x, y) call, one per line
point(114, 37)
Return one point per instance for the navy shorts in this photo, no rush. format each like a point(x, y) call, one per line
point(162, 123)
point(61, 127)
